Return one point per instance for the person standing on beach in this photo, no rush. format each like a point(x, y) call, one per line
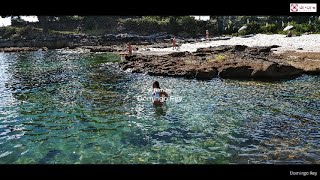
point(174, 42)
point(129, 48)
point(207, 34)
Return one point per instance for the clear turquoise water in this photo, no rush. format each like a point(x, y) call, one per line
point(69, 108)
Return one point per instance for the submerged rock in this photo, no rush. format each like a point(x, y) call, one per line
point(49, 156)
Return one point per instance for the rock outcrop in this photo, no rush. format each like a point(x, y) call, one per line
point(221, 61)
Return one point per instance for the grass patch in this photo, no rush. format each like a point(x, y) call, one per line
point(218, 58)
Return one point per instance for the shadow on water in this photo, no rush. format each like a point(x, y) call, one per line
point(140, 138)
point(49, 156)
point(176, 131)
point(160, 110)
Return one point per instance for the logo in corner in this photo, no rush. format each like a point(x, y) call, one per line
point(303, 7)
point(293, 7)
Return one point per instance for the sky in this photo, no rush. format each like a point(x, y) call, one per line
point(7, 21)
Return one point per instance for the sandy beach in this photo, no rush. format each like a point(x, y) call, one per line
point(303, 43)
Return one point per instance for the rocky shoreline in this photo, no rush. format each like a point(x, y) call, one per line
point(235, 62)
point(105, 43)
point(225, 61)
point(58, 41)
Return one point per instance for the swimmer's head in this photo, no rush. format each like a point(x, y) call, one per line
point(156, 85)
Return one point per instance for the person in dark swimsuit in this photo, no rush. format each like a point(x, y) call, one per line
point(159, 96)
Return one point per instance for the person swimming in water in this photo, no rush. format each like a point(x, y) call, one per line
point(159, 96)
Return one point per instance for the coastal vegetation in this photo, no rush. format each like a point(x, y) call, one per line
point(181, 26)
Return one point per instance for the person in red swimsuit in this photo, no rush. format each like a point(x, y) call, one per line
point(129, 48)
point(174, 42)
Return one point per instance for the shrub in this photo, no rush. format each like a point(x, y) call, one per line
point(252, 28)
point(270, 28)
point(8, 32)
point(188, 25)
point(143, 26)
point(27, 31)
point(302, 28)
